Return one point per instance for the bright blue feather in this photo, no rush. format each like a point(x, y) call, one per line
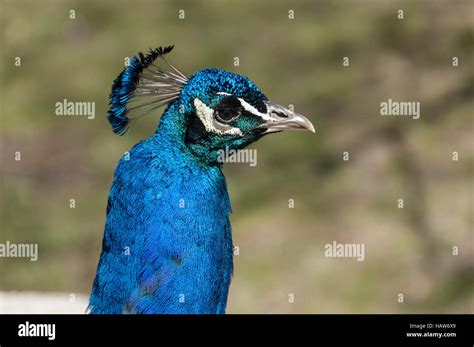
point(176, 253)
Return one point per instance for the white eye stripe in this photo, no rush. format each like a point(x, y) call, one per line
point(253, 110)
point(249, 108)
point(206, 115)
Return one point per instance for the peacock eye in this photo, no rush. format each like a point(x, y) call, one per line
point(225, 115)
point(227, 110)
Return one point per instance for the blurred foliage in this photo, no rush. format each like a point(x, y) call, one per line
point(296, 62)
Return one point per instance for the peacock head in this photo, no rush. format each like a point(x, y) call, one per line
point(209, 112)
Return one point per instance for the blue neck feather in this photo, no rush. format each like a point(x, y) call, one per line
point(167, 246)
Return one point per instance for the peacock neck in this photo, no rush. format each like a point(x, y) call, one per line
point(171, 134)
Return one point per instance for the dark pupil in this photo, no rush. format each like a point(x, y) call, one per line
point(228, 109)
point(226, 114)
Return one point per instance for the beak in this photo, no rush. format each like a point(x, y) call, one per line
point(280, 118)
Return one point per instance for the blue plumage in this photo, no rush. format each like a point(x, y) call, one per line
point(167, 245)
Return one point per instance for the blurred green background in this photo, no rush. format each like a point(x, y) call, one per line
point(294, 61)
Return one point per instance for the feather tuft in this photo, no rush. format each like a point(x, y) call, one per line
point(149, 82)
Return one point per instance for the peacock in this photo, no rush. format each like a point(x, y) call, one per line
point(167, 245)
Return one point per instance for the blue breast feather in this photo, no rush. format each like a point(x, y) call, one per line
point(167, 246)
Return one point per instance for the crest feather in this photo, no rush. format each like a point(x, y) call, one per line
point(149, 82)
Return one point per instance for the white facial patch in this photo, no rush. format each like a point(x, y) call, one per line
point(206, 115)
